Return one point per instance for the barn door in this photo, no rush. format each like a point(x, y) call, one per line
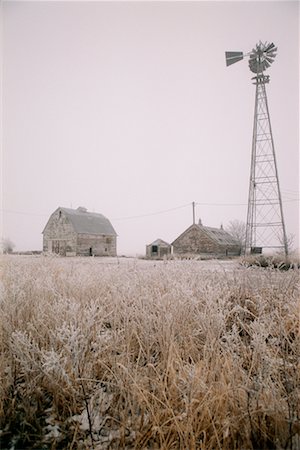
point(55, 247)
point(59, 247)
point(62, 248)
point(154, 250)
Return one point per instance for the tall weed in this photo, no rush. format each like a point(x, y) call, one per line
point(140, 355)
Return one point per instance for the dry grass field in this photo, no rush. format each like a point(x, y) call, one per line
point(129, 354)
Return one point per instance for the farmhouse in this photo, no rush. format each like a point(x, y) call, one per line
point(158, 249)
point(71, 232)
point(199, 239)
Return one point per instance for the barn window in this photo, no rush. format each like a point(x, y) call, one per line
point(154, 249)
point(91, 251)
point(105, 249)
point(59, 215)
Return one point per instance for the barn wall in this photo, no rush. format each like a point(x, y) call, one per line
point(59, 235)
point(97, 245)
point(196, 241)
point(234, 250)
point(162, 251)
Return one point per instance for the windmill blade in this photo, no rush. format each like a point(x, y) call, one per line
point(253, 61)
point(270, 60)
point(255, 66)
point(269, 47)
point(233, 57)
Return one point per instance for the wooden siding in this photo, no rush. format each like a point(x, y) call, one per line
point(59, 235)
point(162, 251)
point(196, 241)
point(96, 245)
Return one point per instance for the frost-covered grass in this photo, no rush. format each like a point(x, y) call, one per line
point(272, 261)
point(108, 354)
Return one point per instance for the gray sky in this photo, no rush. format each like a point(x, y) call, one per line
point(128, 109)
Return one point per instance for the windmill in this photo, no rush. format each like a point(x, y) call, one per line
point(265, 228)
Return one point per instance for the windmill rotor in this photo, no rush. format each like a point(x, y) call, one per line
point(260, 58)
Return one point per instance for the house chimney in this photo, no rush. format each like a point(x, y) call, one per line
point(82, 209)
point(200, 222)
point(221, 227)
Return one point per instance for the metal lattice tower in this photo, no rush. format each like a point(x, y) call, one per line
point(265, 228)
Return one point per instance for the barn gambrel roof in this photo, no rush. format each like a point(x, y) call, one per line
point(85, 222)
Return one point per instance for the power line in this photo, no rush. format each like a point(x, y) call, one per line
point(154, 213)
point(220, 204)
point(9, 211)
point(291, 191)
point(241, 204)
point(287, 200)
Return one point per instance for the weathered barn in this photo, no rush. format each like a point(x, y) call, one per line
point(71, 232)
point(158, 249)
point(199, 239)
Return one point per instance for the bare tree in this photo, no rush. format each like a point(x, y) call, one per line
point(7, 245)
point(237, 229)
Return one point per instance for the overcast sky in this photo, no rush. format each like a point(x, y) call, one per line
point(128, 109)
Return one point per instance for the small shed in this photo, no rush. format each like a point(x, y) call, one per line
point(203, 240)
point(158, 249)
point(71, 232)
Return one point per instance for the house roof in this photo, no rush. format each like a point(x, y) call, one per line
point(217, 234)
point(86, 222)
point(160, 242)
point(220, 235)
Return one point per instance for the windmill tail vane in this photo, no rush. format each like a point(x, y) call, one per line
point(265, 227)
point(233, 57)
